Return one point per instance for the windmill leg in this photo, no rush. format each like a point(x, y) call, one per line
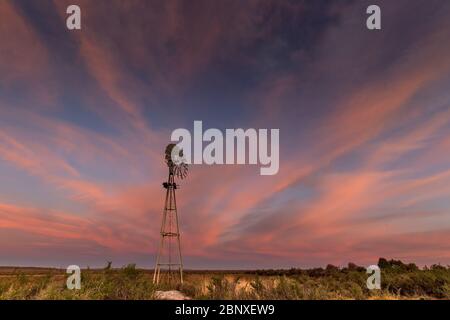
point(181, 260)
point(157, 270)
point(178, 239)
point(157, 267)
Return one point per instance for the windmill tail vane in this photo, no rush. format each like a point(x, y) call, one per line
point(169, 260)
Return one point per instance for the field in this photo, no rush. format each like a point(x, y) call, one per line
point(398, 281)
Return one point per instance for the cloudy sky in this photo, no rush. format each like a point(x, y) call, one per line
point(364, 119)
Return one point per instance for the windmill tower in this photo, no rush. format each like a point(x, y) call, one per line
point(169, 259)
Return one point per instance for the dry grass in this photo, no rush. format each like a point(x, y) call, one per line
point(398, 282)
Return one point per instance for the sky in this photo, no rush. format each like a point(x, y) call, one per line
point(364, 120)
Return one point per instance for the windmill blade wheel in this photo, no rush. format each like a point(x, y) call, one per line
point(181, 170)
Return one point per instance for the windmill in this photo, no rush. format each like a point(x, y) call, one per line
point(167, 260)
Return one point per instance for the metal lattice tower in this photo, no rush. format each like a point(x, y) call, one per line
point(169, 260)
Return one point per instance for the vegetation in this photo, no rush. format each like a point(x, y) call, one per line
point(398, 280)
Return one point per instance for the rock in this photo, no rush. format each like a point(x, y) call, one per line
point(170, 295)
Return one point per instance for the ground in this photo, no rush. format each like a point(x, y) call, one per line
point(399, 281)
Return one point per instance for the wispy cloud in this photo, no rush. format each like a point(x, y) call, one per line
point(364, 121)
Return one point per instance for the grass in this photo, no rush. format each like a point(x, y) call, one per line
point(399, 281)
